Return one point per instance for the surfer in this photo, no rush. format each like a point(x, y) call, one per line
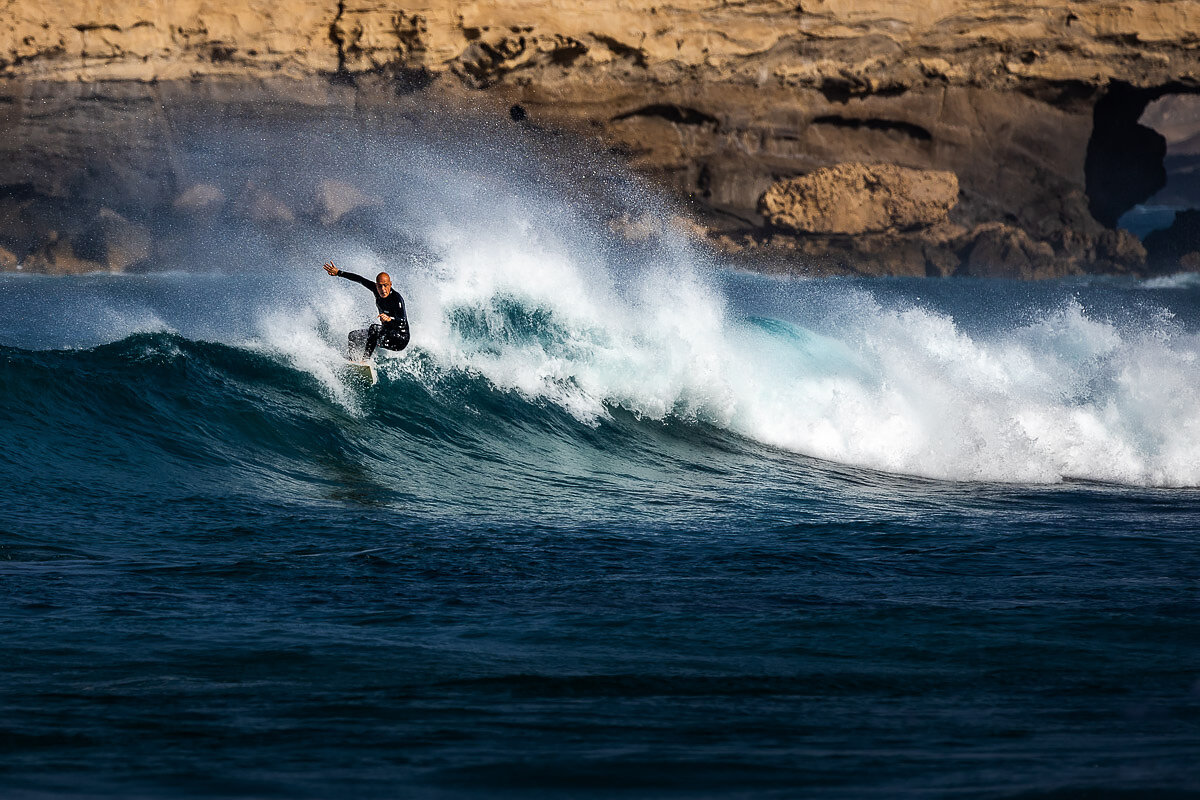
point(391, 332)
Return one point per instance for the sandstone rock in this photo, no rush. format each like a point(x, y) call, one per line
point(888, 254)
point(46, 219)
point(146, 41)
point(645, 227)
point(58, 257)
point(859, 198)
point(926, 252)
point(261, 206)
point(688, 227)
point(713, 101)
point(113, 241)
point(1121, 249)
point(724, 243)
point(1190, 262)
point(8, 260)
point(200, 199)
point(633, 229)
point(997, 250)
point(940, 68)
point(1072, 245)
point(336, 198)
point(940, 261)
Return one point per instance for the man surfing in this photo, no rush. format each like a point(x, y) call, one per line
point(391, 332)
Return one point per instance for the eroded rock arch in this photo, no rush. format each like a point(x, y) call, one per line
point(1125, 162)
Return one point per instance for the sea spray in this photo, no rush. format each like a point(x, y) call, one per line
point(512, 274)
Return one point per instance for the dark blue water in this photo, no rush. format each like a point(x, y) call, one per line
point(539, 559)
point(1144, 219)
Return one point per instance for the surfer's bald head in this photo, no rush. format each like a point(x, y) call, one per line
point(383, 284)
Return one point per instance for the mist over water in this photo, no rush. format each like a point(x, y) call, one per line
point(623, 518)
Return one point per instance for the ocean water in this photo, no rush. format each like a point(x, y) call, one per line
point(623, 520)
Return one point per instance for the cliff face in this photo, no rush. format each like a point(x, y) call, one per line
point(866, 44)
point(1033, 107)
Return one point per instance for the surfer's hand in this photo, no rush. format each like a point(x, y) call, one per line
point(330, 268)
point(384, 318)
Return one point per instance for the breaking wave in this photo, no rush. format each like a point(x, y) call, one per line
point(521, 290)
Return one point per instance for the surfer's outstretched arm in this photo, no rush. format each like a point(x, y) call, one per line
point(332, 269)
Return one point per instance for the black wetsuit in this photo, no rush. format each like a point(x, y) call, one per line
point(391, 335)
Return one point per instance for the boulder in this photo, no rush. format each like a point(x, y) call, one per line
point(634, 229)
point(200, 199)
point(997, 250)
point(854, 198)
point(335, 199)
point(8, 260)
point(58, 257)
point(1120, 250)
point(644, 227)
point(113, 241)
point(259, 205)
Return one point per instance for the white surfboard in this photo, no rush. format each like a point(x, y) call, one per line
point(363, 370)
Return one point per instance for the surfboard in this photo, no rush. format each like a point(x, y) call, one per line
point(362, 370)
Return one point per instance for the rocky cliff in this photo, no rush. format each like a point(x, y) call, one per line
point(1033, 107)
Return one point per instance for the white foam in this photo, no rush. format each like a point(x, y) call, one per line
point(1180, 280)
point(310, 337)
point(898, 389)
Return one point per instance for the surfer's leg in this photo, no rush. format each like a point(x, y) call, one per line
point(358, 344)
point(394, 339)
point(372, 339)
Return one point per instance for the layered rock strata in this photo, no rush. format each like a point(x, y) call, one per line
point(1033, 107)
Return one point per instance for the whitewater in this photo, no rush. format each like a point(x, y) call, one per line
point(625, 516)
point(514, 274)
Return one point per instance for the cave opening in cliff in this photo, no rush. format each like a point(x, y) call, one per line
point(1143, 168)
